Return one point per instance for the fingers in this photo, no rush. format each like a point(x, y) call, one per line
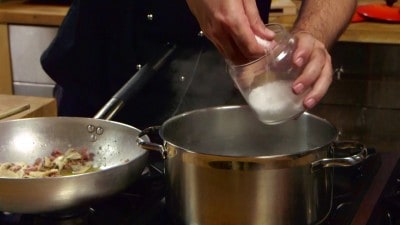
point(244, 35)
point(321, 86)
point(256, 23)
point(232, 27)
point(245, 44)
point(230, 50)
point(316, 76)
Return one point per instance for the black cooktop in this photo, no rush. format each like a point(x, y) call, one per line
point(368, 194)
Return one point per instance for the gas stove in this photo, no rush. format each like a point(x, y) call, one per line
point(366, 194)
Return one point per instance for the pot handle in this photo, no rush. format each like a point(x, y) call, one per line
point(362, 154)
point(150, 145)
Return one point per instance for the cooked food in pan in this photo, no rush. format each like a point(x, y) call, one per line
point(72, 161)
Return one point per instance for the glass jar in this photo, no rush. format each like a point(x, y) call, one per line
point(266, 83)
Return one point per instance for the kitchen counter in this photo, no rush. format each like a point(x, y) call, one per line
point(16, 107)
point(32, 13)
point(361, 32)
point(29, 12)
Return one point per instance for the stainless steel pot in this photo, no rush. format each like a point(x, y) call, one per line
point(223, 166)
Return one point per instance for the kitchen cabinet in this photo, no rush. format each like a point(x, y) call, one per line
point(5, 63)
point(27, 43)
point(26, 28)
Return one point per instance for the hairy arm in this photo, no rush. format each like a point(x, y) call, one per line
point(325, 19)
point(317, 28)
point(232, 25)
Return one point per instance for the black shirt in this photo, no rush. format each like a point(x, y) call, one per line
point(102, 43)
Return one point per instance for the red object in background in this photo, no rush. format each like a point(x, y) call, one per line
point(357, 18)
point(380, 12)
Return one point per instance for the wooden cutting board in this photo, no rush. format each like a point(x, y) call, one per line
point(16, 106)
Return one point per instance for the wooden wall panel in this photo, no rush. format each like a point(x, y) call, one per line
point(5, 62)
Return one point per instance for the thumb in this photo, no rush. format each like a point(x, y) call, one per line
point(256, 23)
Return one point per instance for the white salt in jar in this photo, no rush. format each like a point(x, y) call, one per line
point(266, 83)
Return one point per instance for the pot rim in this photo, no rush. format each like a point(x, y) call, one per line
point(289, 156)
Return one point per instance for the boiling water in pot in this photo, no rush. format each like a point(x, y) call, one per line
point(240, 133)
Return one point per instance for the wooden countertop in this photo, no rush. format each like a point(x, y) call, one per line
point(32, 13)
point(16, 107)
point(28, 12)
point(362, 32)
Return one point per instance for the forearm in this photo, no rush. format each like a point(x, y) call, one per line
point(325, 19)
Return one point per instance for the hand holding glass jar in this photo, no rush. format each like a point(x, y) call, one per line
point(266, 83)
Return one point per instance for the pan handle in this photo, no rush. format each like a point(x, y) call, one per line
point(362, 153)
point(150, 145)
point(134, 85)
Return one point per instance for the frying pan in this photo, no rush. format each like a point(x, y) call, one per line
point(117, 155)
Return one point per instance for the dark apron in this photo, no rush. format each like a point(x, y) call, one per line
point(101, 43)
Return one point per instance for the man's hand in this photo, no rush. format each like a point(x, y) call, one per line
point(232, 26)
point(317, 71)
